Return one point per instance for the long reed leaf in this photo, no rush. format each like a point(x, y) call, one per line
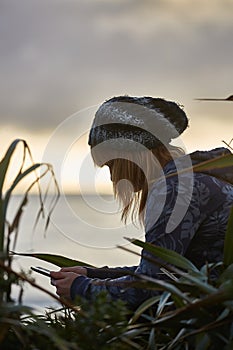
point(223, 161)
point(162, 302)
point(165, 254)
point(4, 164)
point(57, 260)
point(143, 307)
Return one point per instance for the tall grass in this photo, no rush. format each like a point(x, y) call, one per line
point(11, 313)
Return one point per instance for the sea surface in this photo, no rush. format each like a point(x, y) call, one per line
point(83, 227)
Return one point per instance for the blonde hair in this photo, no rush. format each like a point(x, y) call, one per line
point(141, 169)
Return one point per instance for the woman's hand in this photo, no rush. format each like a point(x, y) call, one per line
point(63, 280)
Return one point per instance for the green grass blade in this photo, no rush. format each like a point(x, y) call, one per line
point(162, 302)
point(202, 341)
point(152, 340)
point(19, 177)
point(223, 161)
point(165, 254)
point(143, 307)
point(228, 244)
point(22, 175)
point(198, 282)
point(58, 260)
point(4, 164)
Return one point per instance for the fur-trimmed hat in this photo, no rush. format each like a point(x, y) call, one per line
point(126, 122)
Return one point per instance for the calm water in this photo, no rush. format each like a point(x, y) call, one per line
point(85, 228)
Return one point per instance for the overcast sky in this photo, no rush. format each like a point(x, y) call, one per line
point(60, 56)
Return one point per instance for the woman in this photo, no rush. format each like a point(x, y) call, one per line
point(184, 211)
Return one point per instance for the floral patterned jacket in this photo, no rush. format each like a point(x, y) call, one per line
point(187, 213)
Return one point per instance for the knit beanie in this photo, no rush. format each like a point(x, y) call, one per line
point(132, 122)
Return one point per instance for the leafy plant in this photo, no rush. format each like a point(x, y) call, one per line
point(95, 325)
point(195, 309)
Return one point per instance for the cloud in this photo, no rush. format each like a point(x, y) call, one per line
point(59, 56)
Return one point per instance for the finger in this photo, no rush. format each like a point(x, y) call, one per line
point(67, 269)
point(57, 274)
point(71, 269)
point(76, 269)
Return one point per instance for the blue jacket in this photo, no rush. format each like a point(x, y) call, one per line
point(187, 213)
